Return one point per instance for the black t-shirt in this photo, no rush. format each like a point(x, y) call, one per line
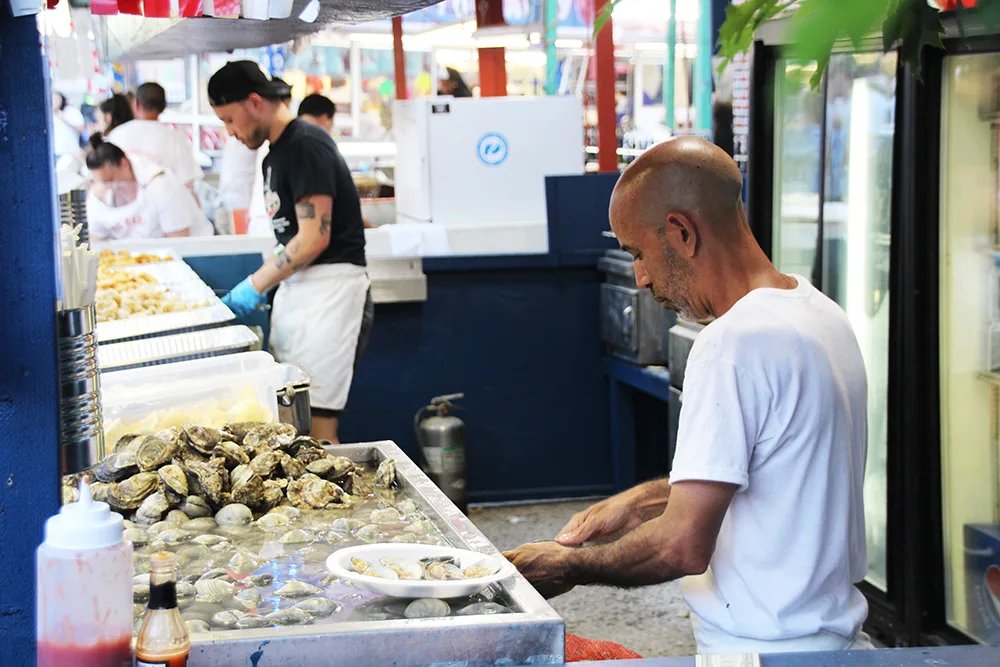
point(305, 161)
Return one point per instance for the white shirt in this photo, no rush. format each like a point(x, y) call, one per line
point(65, 139)
point(775, 402)
point(236, 174)
point(162, 206)
point(159, 143)
point(260, 221)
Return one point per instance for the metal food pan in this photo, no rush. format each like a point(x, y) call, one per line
point(177, 347)
point(147, 326)
point(175, 271)
point(534, 634)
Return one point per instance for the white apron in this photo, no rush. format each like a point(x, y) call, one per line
point(713, 641)
point(315, 324)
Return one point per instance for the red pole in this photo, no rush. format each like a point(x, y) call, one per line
point(399, 57)
point(607, 122)
point(492, 61)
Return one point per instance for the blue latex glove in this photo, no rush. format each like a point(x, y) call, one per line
point(244, 298)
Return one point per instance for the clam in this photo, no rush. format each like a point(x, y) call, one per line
point(427, 608)
point(345, 525)
point(137, 536)
point(265, 463)
point(482, 609)
point(290, 616)
point(174, 535)
point(176, 517)
point(297, 589)
point(153, 453)
point(405, 538)
point(422, 527)
point(250, 622)
point(271, 521)
point(140, 594)
point(287, 510)
point(195, 507)
point(247, 486)
point(186, 590)
point(116, 467)
point(297, 536)
point(158, 527)
point(140, 580)
point(234, 514)
point(227, 618)
point(318, 607)
point(201, 439)
point(244, 562)
point(477, 571)
point(385, 475)
point(262, 580)
point(173, 482)
point(214, 590)
point(200, 525)
point(128, 495)
point(407, 507)
point(389, 515)
point(152, 508)
point(232, 453)
point(443, 572)
point(292, 467)
point(208, 540)
point(368, 533)
point(248, 598)
point(215, 573)
point(197, 625)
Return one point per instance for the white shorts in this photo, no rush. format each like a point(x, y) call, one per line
point(315, 325)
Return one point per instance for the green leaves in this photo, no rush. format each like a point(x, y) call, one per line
point(742, 21)
point(911, 25)
point(601, 19)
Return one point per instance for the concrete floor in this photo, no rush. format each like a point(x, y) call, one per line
point(652, 621)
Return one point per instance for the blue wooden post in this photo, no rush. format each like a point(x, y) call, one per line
point(551, 18)
point(29, 389)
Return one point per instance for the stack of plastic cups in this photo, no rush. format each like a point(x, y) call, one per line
point(81, 425)
point(73, 211)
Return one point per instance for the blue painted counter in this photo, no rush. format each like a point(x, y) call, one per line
point(950, 656)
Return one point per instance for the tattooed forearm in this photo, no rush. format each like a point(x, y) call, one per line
point(305, 209)
point(281, 258)
point(324, 224)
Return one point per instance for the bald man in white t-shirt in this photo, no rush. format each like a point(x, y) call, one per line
point(763, 513)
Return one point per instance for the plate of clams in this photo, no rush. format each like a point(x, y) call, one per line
point(418, 570)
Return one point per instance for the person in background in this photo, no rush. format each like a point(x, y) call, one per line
point(159, 143)
point(322, 312)
point(318, 110)
point(68, 126)
point(134, 198)
point(453, 84)
point(114, 112)
point(763, 514)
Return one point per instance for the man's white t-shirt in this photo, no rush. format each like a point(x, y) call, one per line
point(160, 144)
point(66, 140)
point(162, 206)
point(775, 402)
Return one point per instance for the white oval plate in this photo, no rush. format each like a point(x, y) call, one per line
point(339, 564)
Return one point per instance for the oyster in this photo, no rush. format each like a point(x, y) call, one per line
point(385, 476)
point(153, 453)
point(99, 491)
point(173, 482)
point(232, 453)
point(197, 625)
point(128, 495)
point(247, 486)
point(293, 468)
point(273, 494)
point(202, 439)
point(195, 507)
point(307, 454)
point(214, 590)
point(298, 589)
point(290, 616)
point(152, 508)
point(124, 441)
point(310, 491)
point(70, 494)
point(248, 598)
point(234, 514)
point(239, 430)
point(208, 482)
point(318, 607)
point(116, 467)
point(427, 608)
point(265, 463)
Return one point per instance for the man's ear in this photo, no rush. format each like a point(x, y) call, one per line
point(681, 234)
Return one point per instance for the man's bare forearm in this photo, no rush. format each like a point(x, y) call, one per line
point(312, 239)
point(649, 499)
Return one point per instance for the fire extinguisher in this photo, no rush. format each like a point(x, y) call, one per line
point(441, 437)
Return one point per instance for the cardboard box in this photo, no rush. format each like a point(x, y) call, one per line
point(982, 581)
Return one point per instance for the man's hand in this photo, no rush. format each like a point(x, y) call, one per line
point(602, 522)
point(544, 565)
point(244, 298)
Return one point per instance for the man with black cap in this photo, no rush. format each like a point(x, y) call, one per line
point(321, 314)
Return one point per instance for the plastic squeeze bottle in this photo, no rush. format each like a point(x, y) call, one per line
point(84, 587)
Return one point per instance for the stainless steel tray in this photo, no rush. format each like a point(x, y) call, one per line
point(534, 634)
point(176, 347)
point(147, 326)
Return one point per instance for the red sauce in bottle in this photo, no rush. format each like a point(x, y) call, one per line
point(101, 654)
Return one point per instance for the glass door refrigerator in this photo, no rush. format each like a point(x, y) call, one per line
point(883, 189)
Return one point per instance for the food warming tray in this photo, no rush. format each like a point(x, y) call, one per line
point(534, 634)
point(148, 326)
point(176, 347)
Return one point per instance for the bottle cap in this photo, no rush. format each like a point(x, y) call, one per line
point(85, 524)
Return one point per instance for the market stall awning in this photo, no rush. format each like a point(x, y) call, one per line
point(125, 37)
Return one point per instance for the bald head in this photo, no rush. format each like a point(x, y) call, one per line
point(689, 176)
point(678, 211)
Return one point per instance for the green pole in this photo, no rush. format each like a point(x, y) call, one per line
point(670, 66)
point(551, 58)
point(703, 69)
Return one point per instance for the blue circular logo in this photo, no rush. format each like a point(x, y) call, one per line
point(492, 149)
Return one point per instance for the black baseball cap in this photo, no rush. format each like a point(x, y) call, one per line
point(239, 79)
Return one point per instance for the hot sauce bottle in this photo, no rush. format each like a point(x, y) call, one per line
point(163, 638)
